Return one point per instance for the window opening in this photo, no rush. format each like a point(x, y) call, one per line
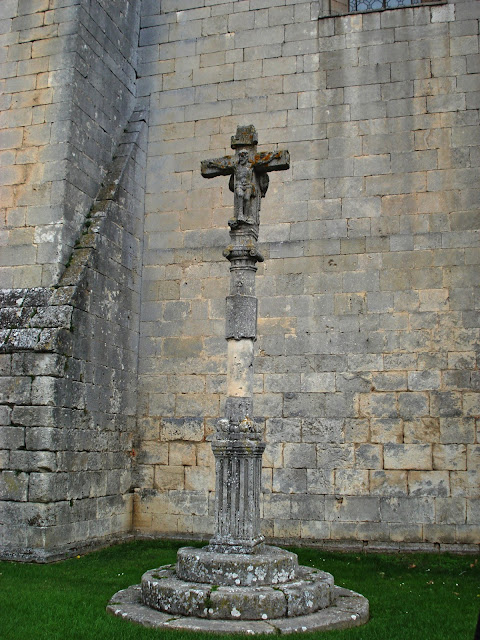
point(375, 5)
point(343, 7)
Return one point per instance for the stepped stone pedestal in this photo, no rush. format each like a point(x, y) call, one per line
point(307, 602)
point(237, 583)
point(262, 592)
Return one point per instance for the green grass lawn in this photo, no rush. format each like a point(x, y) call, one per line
point(412, 597)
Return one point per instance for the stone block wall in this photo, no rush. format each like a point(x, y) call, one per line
point(68, 358)
point(67, 79)
point(367, 362)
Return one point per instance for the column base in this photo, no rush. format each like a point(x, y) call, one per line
point(219, 545)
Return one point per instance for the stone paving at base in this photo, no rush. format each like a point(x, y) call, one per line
point(349, 609)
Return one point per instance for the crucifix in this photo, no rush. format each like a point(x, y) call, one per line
point(238, 445)
point(248, 174)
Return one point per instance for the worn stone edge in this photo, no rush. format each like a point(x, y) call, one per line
point(351, 609)
point(48, 556)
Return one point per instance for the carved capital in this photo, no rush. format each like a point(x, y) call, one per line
point(248, 255)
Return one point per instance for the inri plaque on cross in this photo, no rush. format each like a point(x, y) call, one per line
point(238, 445)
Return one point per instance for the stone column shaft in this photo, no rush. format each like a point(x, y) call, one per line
point(237, 447)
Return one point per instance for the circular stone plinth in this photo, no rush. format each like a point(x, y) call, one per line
point(268, 566)
point(310, 591)
point(350, 609)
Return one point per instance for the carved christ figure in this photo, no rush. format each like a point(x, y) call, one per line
point(248, 175)
point(243, 189)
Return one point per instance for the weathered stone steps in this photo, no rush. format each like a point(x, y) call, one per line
point(309, 591)
point(349, 610)
point(267, 566)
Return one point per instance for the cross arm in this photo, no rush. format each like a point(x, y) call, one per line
point(271, 161)
point(217, 167)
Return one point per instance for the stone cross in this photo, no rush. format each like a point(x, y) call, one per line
point(248, 174)
point(238, 445)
